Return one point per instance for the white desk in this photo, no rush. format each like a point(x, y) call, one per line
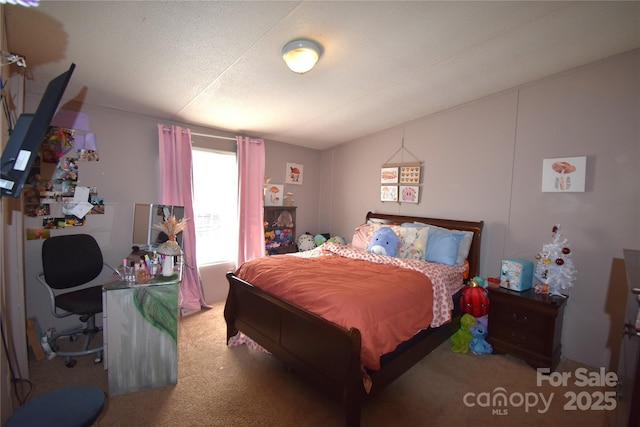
point(140, 335)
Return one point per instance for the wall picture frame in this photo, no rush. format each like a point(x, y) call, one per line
point(274, 195)
point(389, 175)
point(410, 174)
point(564, 174)
point(409, 193)
point(389, 193)
point(294, 173)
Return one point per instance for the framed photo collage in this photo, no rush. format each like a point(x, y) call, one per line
point(400, 182)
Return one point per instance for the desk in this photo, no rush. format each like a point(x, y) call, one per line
point(140, 334)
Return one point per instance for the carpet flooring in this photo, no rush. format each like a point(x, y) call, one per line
point(224, 386)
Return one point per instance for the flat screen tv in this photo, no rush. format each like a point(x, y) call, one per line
point(27, 137)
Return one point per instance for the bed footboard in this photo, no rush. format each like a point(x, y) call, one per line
point(323, 352)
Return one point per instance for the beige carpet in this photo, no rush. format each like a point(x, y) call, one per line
point(222, 386)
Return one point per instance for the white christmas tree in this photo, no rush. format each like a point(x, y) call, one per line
point(554, 267)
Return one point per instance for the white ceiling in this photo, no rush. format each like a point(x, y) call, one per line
point(218, 64)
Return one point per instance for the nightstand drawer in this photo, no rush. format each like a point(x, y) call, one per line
point(518, 337)
point(522, 318)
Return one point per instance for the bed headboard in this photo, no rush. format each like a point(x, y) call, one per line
point(473, 226)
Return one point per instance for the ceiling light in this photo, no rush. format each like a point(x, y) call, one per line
point(301, 55)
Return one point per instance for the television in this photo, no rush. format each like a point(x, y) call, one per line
point(27, 137)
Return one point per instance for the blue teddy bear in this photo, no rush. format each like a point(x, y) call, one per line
point(384, 241)
point(478, 344)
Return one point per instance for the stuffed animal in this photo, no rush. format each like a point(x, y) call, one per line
point(483, 320)
point(337, 239)
point(461, 339)
point(306, 242)
point(474, 300)
point(319, 239)
point(478, 344)
point(384, 241)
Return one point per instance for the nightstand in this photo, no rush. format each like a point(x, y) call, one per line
point(526, 325)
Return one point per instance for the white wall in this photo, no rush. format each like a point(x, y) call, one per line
point(277, 156)
point(483, 161)
point(127, 174)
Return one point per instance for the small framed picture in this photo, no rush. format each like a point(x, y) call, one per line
point(389, 193)
point(294, 174)
point(274, 195)
point(409, 193)
point(389, 175)
point(410, 175)
point(564, 175)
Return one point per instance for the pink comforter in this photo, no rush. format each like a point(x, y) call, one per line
point(387, 299)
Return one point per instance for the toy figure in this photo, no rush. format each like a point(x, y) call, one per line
point(462, 338)
point(478, 344)
point(474, 300)
point(384, 242)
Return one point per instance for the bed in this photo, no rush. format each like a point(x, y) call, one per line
point(329, 355)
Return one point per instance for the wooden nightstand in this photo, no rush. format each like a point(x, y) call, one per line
point(526, 325)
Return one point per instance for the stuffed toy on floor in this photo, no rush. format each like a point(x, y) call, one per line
point(462, 338)
point(478, 344)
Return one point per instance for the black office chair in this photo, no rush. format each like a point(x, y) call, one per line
point(71, 261)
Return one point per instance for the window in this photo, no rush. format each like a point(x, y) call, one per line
point(215, 194)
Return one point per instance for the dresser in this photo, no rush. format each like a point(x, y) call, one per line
point(280, 229)
point(140, 335)
point(526, 325)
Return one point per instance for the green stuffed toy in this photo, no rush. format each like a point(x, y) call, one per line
point(461, 339)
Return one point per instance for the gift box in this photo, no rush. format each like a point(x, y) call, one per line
point(516, 274)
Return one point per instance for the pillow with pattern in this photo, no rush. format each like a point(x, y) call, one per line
point(414, 240)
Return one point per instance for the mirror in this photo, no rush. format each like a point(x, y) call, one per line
point(145, 215)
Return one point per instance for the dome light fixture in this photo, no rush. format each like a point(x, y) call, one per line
point(301, 55)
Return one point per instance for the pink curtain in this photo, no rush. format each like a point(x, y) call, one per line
point(176, 188)
point(250, 191)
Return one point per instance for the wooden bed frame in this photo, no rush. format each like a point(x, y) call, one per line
point(324, 353)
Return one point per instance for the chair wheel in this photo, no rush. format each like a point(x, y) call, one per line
point(71, 363)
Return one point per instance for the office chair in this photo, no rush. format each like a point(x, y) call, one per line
point(68, 262)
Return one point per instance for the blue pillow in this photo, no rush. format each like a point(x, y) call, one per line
point(442, 246)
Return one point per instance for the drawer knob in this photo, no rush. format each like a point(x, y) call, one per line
point(518, 318)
